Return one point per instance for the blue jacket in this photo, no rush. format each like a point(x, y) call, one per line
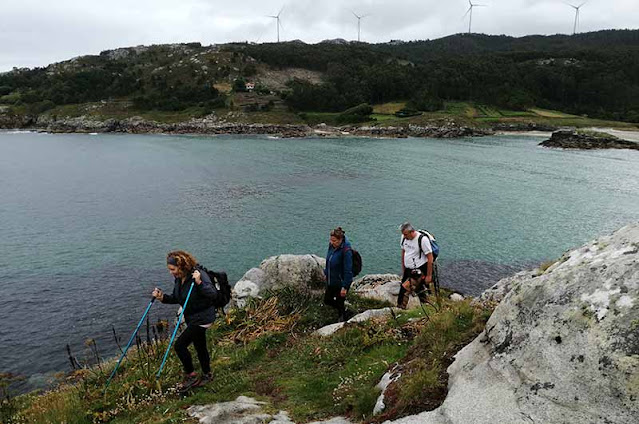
point(339, 265)
point(200, 309)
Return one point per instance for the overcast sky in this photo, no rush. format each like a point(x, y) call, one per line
point(39, 32)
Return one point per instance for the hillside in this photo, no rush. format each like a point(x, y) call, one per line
point(269, 350)
point(554, 345)
point(594, 74)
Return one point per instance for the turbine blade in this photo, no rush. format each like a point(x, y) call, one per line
point(468, 11)
point(281, 10)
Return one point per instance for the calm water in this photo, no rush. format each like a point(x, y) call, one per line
point(86, 221)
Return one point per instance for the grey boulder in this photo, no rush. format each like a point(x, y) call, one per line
point(300, 271)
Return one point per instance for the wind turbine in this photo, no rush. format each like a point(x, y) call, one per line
point(574, 28)
point(277, 18)
point(359, 22)
point(470, 10)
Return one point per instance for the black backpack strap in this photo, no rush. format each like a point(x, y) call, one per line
point(419, 243)
point(345, 249)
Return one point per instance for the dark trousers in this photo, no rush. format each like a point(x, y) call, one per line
point(418, 286)
point(333, 298)
point(196, 335)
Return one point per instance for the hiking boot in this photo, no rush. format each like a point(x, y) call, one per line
point(348, 314)
point(345, 316)
point(205, 379)
point(190, 380)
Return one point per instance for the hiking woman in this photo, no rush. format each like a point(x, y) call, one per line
point(338, 271)
point(199, 313)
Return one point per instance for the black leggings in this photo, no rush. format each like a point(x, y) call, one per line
point(196, 335)
point(333, 298)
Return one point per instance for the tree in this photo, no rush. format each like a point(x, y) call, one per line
point(426, 102)
point(239, 85)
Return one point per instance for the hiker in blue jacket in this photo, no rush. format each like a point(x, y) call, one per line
point(338, 271)
point(199, 313)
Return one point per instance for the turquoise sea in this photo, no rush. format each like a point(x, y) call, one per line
point(86, 220)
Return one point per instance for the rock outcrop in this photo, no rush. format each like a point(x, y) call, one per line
point(523, 126)
point(245, 410)
point(448, 130)
point(303, 271)
point(496, 293)
point(136, 125)
point(388, 378)
point(380, 287)
point(567, 139)
point(561, 347)
point(293, 270)
point(330, 329)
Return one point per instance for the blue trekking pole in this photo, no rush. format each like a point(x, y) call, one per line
point(129, 344)
point(177, 326)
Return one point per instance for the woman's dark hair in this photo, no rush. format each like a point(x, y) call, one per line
point(338, 233)
point(184, 261)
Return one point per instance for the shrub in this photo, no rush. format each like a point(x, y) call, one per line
point(363, 109)
point(239, 85)
point(359, 113)
point(249, 70)
point(426, 102)
point(39, 107)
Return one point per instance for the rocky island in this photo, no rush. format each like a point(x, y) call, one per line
point(569, 139)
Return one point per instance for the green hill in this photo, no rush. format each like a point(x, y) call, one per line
point(594, 74)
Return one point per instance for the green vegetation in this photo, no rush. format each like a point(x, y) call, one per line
point(359, 113)
point(545, 265)
point(504, 78)
point(595, 134)
point(268, 350)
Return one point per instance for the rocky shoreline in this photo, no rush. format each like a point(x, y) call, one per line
point(211, 125)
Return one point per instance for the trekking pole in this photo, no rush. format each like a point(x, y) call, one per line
point(177, 326)
point(129, 344)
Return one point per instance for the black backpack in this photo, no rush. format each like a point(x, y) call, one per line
point(221, 282)
point(357, 261)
